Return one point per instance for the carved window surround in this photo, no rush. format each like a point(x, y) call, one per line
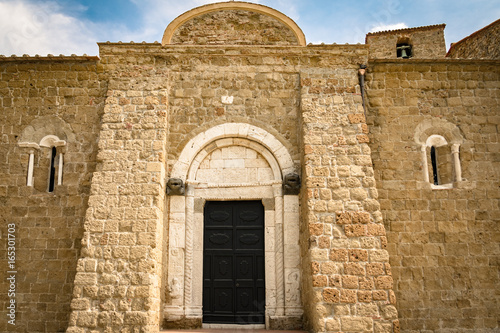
point(435, 134)
point(47, 141)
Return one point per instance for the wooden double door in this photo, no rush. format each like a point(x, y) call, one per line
point(233, 264)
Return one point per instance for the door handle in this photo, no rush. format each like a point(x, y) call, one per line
point(237, 285)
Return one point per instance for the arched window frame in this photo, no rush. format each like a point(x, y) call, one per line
point(435, 141)
point(52, 142)
point(434, 132)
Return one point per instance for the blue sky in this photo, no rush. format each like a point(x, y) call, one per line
point(74, 26)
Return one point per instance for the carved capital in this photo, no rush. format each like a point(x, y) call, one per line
point(175, 186)
point(291, 184)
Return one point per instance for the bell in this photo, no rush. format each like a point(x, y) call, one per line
point(404, 53)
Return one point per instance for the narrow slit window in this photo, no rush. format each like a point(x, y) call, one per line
point(434, 166)
point(52, 171)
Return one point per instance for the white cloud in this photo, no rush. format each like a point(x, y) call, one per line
point(42, 28)
point(45, 27)
point(384, 27)
point(158, 14)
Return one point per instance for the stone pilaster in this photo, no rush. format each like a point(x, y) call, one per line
point(118, 280)
point(347, 284)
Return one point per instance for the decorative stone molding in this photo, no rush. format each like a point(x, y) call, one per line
point(175, 186)
point(291, 184)
point(48, 141)
point(51, 141)
point(45, 129)
point(439, 133)
point(31, 163)
point(438, 126)
point(232, 131)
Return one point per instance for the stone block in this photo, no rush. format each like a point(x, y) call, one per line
point(331, 295)
point(356, 255)
point(87, 319)
point(316, 229)
point(365, 296)
point(375, 269)
point(86, 279)
point(340, 255)
point(367, 310)
point(356, 324)
point(380, 295)
point(378, 255)
point(366, 283)
point(355, 230)
point(360, 217)
point(329, 268)
point(389, 312)
point(354, 269)
point(319, 281)
point(348, 296)
point(343, 218)
point(356, 118)
point(80, 304)
point(383, 282)
point(350, 282)
point(319, 254)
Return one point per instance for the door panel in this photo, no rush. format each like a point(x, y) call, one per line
point(233, 265)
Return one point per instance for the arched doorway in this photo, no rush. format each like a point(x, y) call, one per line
point(233, 163)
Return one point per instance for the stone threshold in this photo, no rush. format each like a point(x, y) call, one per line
point(229, 330)
point(224, 328)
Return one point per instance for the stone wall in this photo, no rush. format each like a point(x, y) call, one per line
point(38, 97)
point(237, 27)
point(483, 44)
point(219, 89)
point(443, 243)
point(347, 282)
point(427, 42)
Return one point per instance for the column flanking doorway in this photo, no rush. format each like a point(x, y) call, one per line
point(233, 263)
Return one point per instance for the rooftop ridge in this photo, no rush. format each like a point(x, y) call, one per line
point(38, 57)
point(426, 27)
point(471, 35)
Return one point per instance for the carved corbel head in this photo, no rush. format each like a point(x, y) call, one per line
point(175, 186)
point(291, 184)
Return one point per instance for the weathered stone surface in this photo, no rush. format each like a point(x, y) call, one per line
point(63, 98)
point(432, 233)
point(426, 42)
point(374, 242)
point(237, 27)
point(482, 44)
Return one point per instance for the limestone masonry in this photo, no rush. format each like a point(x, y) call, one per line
point(376, 166)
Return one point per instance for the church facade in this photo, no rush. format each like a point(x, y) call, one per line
point(233, 174)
